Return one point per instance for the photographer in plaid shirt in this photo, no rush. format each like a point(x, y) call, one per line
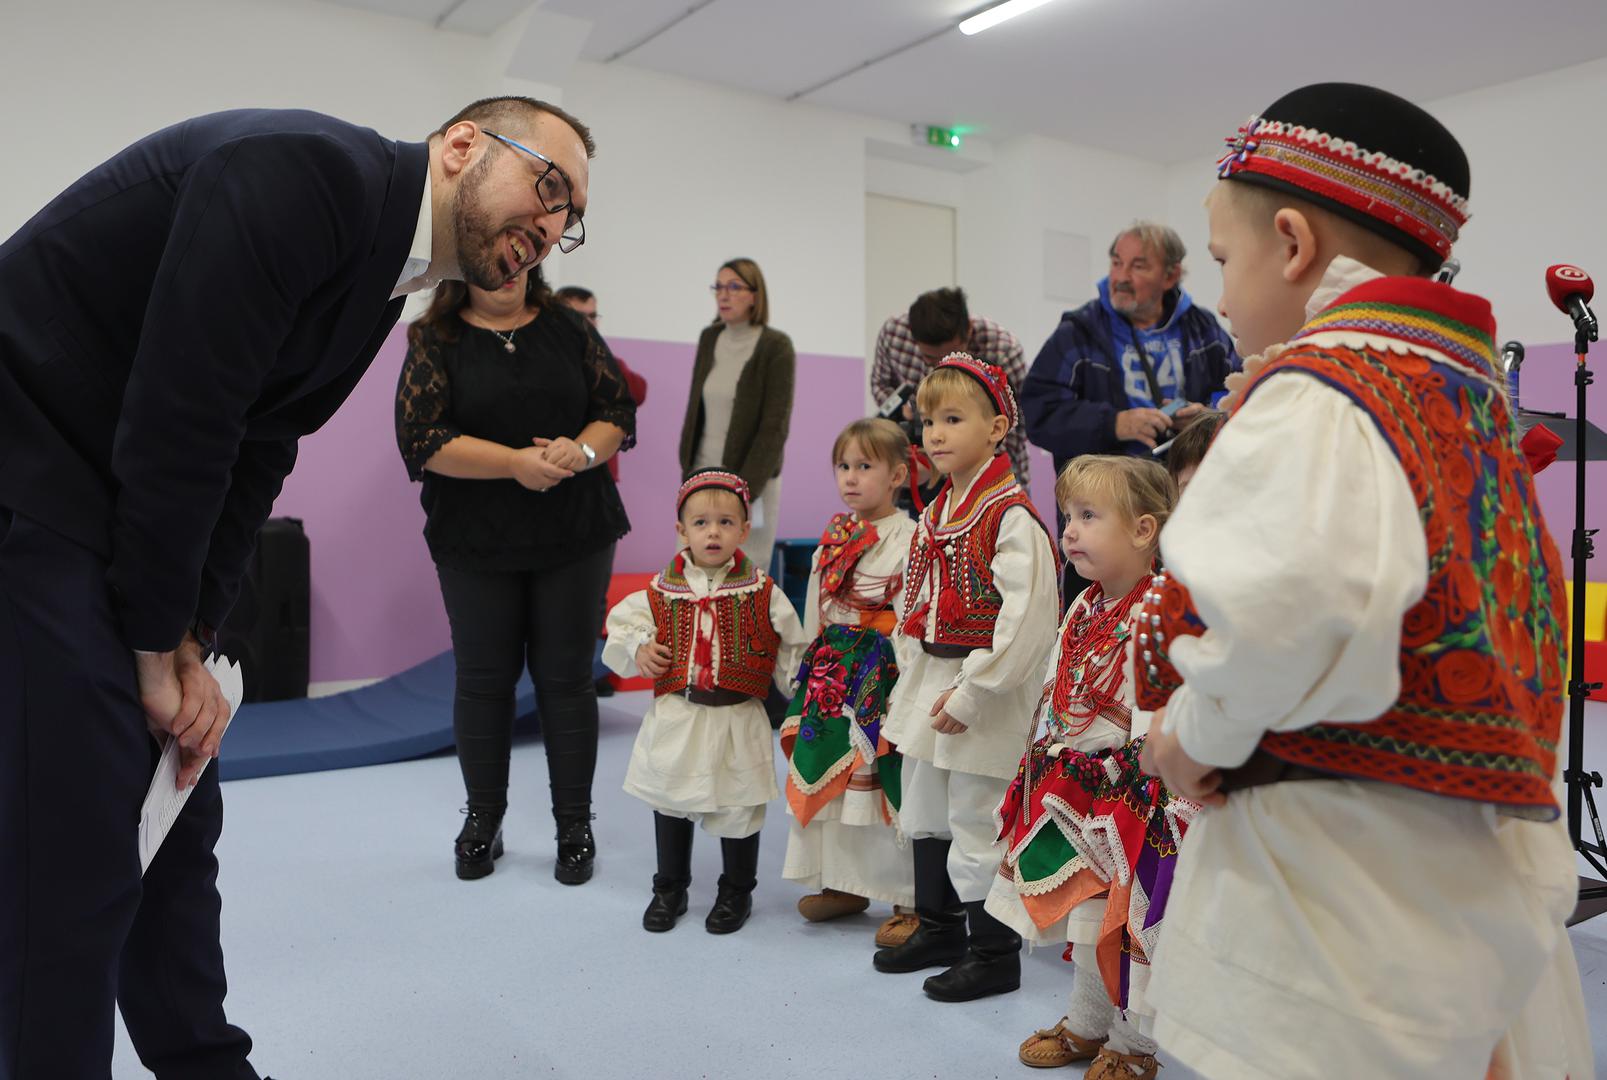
point(910, 344)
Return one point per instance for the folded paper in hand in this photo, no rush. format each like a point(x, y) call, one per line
point(164, 800)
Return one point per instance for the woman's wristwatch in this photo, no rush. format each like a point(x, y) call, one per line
point(591, 455)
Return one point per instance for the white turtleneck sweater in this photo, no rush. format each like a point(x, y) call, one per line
point(732, 351)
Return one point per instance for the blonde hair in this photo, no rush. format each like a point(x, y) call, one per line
point(1132, 486)
point(878, 439)
point(942, 386)
point(751, 276)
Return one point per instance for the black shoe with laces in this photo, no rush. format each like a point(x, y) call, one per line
point(479, 843)
point(577, 853)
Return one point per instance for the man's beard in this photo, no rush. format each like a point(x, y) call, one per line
point(1126, 305)
point(480, 258)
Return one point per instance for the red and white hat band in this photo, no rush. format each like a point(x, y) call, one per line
point(1397, 194)
point(713, 478)
point(992, 378)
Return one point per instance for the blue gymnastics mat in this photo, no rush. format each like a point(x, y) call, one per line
point(405, 716)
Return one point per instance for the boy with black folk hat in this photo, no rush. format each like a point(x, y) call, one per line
point(1368, 653)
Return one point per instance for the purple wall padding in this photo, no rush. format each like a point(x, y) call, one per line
point(376, 605)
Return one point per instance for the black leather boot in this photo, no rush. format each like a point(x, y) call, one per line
point(674, 840)
point(991, 965)
point(734, 902)
point(577, 852)
point(940, 939)
point(479, 843)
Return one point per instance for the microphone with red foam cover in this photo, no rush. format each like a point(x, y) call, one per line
point(1570, 289)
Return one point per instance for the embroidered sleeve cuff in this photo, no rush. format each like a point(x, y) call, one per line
point(1207, 734)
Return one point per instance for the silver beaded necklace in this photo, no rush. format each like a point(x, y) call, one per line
point(507, 339)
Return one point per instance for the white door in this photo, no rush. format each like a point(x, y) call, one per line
point(909, 249)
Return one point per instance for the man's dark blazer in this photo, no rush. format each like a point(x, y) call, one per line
point(173, 322)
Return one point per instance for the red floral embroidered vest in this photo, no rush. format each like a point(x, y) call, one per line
point(1480, 706)
point(748, 642)
point(956, 560)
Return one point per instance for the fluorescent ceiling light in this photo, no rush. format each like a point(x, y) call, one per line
point(998, 14)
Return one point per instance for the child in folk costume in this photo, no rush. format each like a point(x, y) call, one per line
point(1361, 665)
point(713, 632)
point(1080, 823)
point(841, 839)
point(978, 620)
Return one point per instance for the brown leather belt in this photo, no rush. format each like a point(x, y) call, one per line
point(715, 698)
point(1261, 768)
point(947, 652)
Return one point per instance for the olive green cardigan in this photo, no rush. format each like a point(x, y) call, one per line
point(760, 414)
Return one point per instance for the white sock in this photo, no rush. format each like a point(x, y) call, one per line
point(1125, 1037)
point(1089, 1013)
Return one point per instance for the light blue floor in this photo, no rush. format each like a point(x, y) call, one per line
point(354, 952)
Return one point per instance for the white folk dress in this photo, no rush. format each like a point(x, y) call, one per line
point(712, 764)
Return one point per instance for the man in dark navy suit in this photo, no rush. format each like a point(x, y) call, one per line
point(170, 325)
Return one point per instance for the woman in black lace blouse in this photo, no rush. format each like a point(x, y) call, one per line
point(507, 408)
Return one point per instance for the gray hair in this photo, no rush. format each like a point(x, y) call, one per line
point(1161, 239)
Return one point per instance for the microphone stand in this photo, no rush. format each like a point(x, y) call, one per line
point(1592, 893)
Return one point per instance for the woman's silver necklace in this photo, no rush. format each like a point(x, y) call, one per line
point(507, 339)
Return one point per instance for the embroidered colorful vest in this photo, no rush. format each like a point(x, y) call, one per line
point(1480, 706)
point(959, 556)
point(748, 640)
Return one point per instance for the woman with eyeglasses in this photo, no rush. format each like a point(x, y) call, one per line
point(508, 406)
point(740, 404)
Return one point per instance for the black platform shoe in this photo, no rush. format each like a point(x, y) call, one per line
point(991, 965)
point(479, 843)
point(577, 853)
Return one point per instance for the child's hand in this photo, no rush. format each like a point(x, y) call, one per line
point(945, 724)
point(1165, 757)
point(653, 659)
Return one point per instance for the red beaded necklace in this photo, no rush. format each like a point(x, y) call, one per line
point(1090, 672)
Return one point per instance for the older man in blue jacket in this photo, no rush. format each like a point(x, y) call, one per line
point(170, 325)
point(1124, 372)
point(1120, 372)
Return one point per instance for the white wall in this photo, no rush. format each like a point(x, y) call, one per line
point(689, 175)
point(79, 79)
point(1037, 184)
point(1539, 166)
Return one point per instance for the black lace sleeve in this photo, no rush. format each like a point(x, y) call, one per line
point(423, 405)
point(610, 397)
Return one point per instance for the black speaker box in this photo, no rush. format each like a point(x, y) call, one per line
point(266, 633)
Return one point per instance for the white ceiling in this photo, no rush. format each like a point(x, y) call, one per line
point(1161, 79)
